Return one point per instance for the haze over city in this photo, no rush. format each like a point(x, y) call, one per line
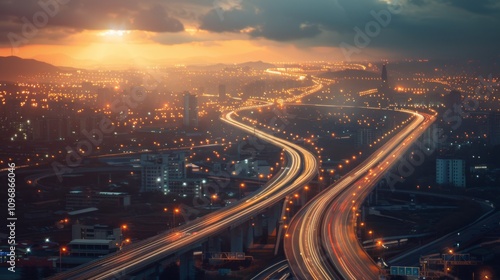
point(96, 33)
point(232, 139)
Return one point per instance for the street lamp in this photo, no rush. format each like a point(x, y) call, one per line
point(176, 210)
point(371, 235)
point(123, 228)
point(213, 197)
point(61, 250)
point(126, 241)
point(242, 186)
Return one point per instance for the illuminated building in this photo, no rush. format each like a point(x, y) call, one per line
point(166, 173)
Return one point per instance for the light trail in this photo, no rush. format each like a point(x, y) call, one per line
point(322, 243)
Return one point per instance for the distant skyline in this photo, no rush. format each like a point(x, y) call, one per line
point(127, 32)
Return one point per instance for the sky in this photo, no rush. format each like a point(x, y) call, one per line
point(121, 32)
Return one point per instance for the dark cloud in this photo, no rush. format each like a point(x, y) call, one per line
point(477, 6)
point(418, 2)
point(289, 19)
point(286, 29)
point(235, 20)
point(156, 19)
point(81, 15)
point(280, 20)
point(435, 37)
point(422, 27)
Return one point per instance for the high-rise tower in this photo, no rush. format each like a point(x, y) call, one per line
point(190, 110)
point(384, 75)
point(222, 93)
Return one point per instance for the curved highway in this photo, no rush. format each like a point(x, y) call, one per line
point(301, 167)
point(278, 270)
point(321, 241)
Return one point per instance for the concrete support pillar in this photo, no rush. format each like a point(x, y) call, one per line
point(213, 244)
point(237, 239)
point(158, 270)
point(225, 241)
point(273, 215)
point(257, 227)
point(186, 268)
point(249, 235)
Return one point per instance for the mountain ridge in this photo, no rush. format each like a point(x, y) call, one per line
point(13, 67)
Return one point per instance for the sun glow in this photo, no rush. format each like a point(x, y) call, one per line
point(114, 33)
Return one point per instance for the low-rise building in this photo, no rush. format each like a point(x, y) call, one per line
point(84, 199)
point(251, 168)
point(79, 231)
point(91, 247)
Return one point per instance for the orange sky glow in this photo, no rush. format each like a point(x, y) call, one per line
point(118, 47)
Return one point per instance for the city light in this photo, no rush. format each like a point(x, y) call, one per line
point(150, 135)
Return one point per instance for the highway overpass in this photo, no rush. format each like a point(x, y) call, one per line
point(321, 242)
point(301, 167)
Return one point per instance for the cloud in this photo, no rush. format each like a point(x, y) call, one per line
point(285, 20)
point(235, 20)
point(155, 19)
point(79, 15)
point(193, 36)
point(487, 7)
point(423, 27)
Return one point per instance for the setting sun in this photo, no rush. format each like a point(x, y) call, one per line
point(114, 33)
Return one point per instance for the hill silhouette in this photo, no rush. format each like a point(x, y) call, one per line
point(13, 67)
